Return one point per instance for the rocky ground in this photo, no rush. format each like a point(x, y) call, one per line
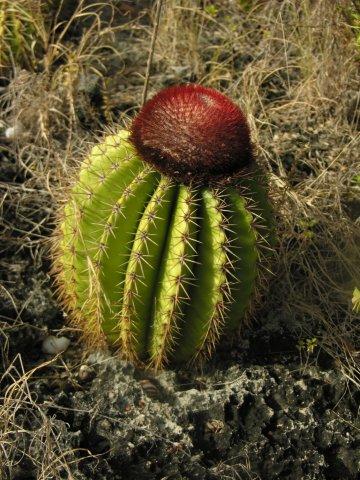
point(256, 411)
point(242, 421)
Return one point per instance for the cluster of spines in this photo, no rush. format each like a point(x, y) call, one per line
point(160, 270)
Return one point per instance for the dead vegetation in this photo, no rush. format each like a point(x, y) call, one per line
point(291, 65)
point(27, 435)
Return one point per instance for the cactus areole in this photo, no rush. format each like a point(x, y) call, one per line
point(160, 239)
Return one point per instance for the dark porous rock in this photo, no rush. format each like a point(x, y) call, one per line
point(268, 422)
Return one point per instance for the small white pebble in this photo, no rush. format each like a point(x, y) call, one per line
point(13, 132)
point(52, 345)
point(86, 373)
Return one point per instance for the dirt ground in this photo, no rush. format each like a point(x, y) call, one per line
point(282, 400)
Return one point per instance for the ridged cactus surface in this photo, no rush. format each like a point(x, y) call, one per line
point(158, 268)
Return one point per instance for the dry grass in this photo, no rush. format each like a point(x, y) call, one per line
point(291, 65)
point(27, 434)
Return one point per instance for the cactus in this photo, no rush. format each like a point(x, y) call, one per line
point(159, 246)
point(21, 32)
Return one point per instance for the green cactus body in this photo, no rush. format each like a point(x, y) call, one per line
point(158, 268)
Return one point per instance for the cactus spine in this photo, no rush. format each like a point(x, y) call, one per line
point(156, 267)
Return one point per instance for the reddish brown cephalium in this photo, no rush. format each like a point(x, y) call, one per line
point(193, 133)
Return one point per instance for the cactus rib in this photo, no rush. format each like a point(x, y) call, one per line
point(244, 256)
point(174, 276)
point(144, 263)
point(113, 253)
point(205, 315)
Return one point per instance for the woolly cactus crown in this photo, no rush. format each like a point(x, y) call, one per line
point(157, 251)
point(191, 132)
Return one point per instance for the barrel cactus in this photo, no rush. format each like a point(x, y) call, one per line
point(161, 239)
